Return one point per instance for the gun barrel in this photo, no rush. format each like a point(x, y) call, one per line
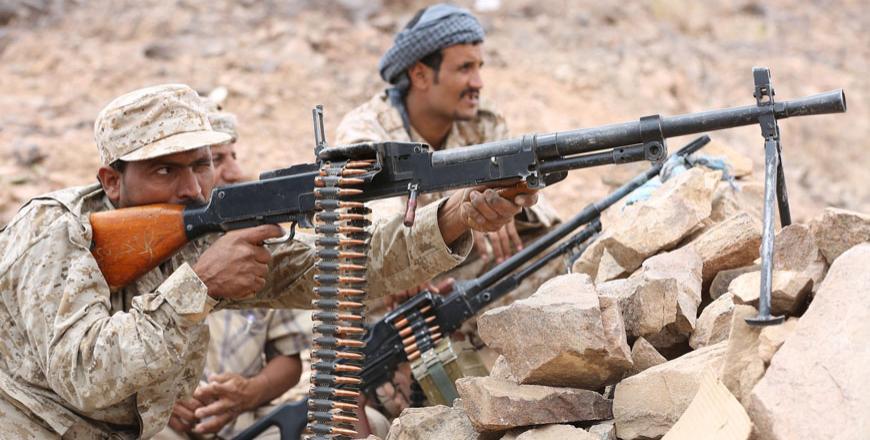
point(585, 140)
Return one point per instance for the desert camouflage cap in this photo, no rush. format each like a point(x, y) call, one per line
point(154, 121)
point(224, 122)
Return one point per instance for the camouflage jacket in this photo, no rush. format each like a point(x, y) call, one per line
point(73, 353)
point(377, 120)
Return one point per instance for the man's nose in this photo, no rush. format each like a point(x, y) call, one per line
point(231, 172)
point(188, 186)
point(476, 81)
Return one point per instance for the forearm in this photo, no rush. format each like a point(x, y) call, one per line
point(279, 375)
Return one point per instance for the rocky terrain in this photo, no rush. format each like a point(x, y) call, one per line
point(549, 66)
point(648, 339)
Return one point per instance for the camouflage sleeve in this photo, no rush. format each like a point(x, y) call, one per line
point(359, 126)
point(92, 357)
point(400, 258)
point(287, 333)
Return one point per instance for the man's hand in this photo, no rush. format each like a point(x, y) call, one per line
point(504, 242)
point(395, 395)
point(236, 265)
point(230, 394)
point(481, 210)
point(183, 418)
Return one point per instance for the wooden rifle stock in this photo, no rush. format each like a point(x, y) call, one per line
point(127, 243)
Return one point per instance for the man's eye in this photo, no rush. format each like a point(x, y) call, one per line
point(163, 171)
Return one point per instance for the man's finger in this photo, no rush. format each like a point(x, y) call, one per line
point(526, 200)
point(213, 424)
point(499, 204)
point(480, 204)
point(514, 235)
point(178, 424)
point(445, 286)
point(219, 406)
point(497, 250)
point(256, 235)
point(262, 255)
point(184, 413)
point(505, 241)
point(481, 246)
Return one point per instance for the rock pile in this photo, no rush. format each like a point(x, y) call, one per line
point(647, 339)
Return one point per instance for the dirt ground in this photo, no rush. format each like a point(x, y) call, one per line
point(550, 66)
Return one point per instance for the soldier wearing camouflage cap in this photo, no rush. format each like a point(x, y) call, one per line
point(81, 361)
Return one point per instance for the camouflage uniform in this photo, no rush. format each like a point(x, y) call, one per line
point(377, 120)
point(78, 358)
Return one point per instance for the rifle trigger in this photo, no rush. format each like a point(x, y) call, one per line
point(284, 238)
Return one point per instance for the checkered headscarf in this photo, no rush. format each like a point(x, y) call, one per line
point(437, 27)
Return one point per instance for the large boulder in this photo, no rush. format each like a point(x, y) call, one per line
point(674, 211)
point(498, 405)
point(795, 249)
point(648, 404)
point(821, 369)
point(560, 336)
point(440, 422)
point(838, 230)
point(728, 245)
point(660, 301)
point(714, 323)
point(788, 293)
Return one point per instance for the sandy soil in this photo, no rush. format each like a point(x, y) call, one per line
point(550, 66)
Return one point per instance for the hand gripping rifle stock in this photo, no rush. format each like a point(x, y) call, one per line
point(129, 242)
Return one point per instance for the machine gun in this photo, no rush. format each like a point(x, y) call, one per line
point(423, 318)
point(129, 242)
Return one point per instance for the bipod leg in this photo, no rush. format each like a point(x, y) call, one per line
point(771, 163)
point(781, 193)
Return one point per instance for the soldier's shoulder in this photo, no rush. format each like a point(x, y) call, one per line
point(43, 214)
point(489, 112)
point(374, 120)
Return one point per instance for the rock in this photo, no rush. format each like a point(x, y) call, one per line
point(551, 432)
point(742, 367)
point(659, 223)
point(373, 437)
point(648, 404)
point(432, 422)
point(497, 405)
point(644, 355)
point(501, 370)
point(838, 230)
point(714, 414)
point(821, 369)
point(739, 165)
point(795, 249)
point(728, 245)
point(604, 430)
point(772, 337)
point(160, 51)
point(660, 301)
point(788, 293)
point(723, 279)
point(559, 336)
point(714, 323)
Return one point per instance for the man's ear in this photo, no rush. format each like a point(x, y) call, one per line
point(110, 179)
point(420, 75)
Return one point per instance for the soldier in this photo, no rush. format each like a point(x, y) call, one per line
point(253, 355)
point(434, 69)
point(81, 361)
